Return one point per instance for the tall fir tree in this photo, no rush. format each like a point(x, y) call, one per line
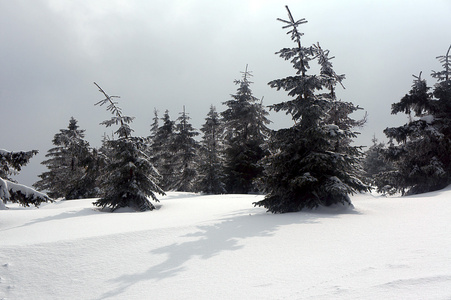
point(10, 164)
point(245, 134)
point(186, 155)
point(129, 178)
point(422, 156)
point(163, 150)
point(309, 164)
point(67, 164)
point(211, 178)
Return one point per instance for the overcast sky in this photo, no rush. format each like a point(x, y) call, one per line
point(166, 54)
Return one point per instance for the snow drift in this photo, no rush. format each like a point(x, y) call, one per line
point(221, 247)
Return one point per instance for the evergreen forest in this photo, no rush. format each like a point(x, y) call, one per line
point(315, 162)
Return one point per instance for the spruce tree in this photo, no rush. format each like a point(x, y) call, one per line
point(67, 164)
point(186, 155)
point(10, 164)
point(129, 178)
point(311, 163)
point(245, 134)
point(164, 150)
point(374, 162)
point(422, 156)
point(211, 178)
point(154, 127)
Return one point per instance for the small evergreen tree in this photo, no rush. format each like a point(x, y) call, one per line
point(310, 163)
point(130, 177)
point(67, 165)
point(422, 156)
point(245, 136)
point(155, 125)
point(186, 155)
point(11, 163)
point(153, 132)
point(211, 178)
point(374, 162)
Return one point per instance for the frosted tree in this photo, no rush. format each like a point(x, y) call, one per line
point(422, 157)
point(311, 163)
point(374, 161)
point(10, 164)
point(155, 125)
point(164, 150)
point(245, 134)
point(338, 111)
point(129, 178)
point(186, 154)
point(67, 164)
point(211, 178)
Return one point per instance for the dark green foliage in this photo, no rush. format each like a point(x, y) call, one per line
point(374, 162)
point(11, 163)
point(245, 136)
point(23, 195)
point(154, 127)
point(163, 152)
point(67, 165)
point(211, 178)
point(422, 156)
point(243, 167)
point(312, 162)
point(129, 177)
point(186, 147)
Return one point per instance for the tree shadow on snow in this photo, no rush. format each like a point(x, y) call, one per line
point(61, 216)
point(210, 240)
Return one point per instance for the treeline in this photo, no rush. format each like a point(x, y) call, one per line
point(223, 159)
point(417, 158)
point(312, 163)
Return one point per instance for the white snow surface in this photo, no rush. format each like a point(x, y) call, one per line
point(221, 247)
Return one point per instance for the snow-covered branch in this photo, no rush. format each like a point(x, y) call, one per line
point(18, 193)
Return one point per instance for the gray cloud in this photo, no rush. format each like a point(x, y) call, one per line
point(167, 54)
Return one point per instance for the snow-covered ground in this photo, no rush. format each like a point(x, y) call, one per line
point(221, 247)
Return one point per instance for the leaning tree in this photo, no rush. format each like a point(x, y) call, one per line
point(129, 177)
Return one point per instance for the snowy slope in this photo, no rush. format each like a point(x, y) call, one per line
point(221, 247)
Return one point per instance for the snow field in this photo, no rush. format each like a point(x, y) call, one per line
point(221, 247)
